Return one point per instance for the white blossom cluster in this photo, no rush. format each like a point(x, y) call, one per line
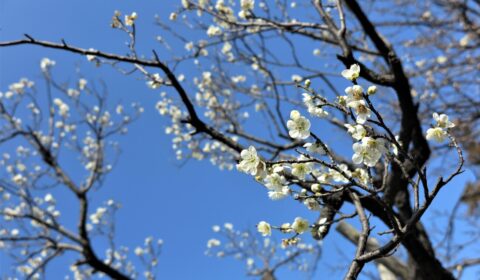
point(254, 251)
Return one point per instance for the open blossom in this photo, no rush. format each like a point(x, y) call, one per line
point(250, 161)
point(443, 121)
point(352, 73)
point(91, 57)
point(155, 82)
point(277, 186)
point(300, 225)
point(362, 111)
point(264, 228)
point(130, 19)
point(82, 83)
point(313, 108)
point(298, 126)
point(247, 4)
point(312, 204)
point(357, 131)
point(302, 169)
point(354, 93)
point(315, 148)
point(437, 134)
point(63, 108)
point(213, 31)
point(361, 175)
point(369, 151)
point(46, 63)
point(213, 243)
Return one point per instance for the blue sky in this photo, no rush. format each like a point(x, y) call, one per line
point(159, 198)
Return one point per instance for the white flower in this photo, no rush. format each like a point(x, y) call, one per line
point(316, 188)
point(46, 63)
point(49, 198)
point(315, 148)
point(228, 226)
point(96, 217)
point(19, 179)
point(352, 73)
point(155, 82)
point(247, 5)
point(437, 134)
point(369, 151)
point(227, 47)
point(297, 78)
point(300, 225)
point(313, 108)
point(250, 161)
point(322, 226)
point(213, 31)
point(173, 16)
point(138, 251)
point(354, 93)
point(277, 186)
point(357, 131)
point(130, 19)
point(91, 57)
point(361, 175)
point(371, 90)
point(82, 83)
point(298, 126)
point(63, 108)
point(264, 228)
point(312, 204)
point(442, 121)
point(300, 170)
point(213, 243)
point(361, 109)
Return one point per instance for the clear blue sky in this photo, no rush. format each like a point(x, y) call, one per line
point(159, 198)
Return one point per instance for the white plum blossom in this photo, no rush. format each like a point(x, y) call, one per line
point(354, 93)
point(369, 151)
point(213, 31)
point(443, 121)
point(91, 57)
point(357, 131)
point(315, 148)
point(362, 111)
point(247, 5)
point(352, 73)
point(250, 161)
point(302, 169)
point(277, 186)
point(264, 228)
point(313, 107)
point(82, 83)
point(63, 108)
point(155, 81)
point(130, 19)
point(213, 243)
point(437, 134)
point(96, 217)
point(298, 126)
point(300, 225)
point(312, 204)
point(371, 90)
point(46, 63)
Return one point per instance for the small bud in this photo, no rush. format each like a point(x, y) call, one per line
point(371, 90)
point(308, 83)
